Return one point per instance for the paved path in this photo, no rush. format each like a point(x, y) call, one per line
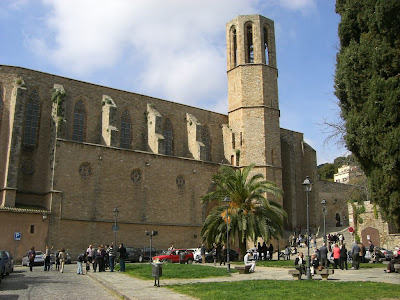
point(133, 288)
point(37, 285)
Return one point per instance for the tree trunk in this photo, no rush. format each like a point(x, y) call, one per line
point(242, 249)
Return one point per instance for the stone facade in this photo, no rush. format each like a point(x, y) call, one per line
point(78, 150)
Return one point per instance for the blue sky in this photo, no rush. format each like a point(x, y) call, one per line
point(164, 48)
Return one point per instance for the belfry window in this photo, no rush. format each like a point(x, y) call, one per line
point(79, 122)
point(250, 45)
point(125, 137)
point(266, 49)
point(32, 119)
point(167, 133)
point(234, 52)
point(205, 138)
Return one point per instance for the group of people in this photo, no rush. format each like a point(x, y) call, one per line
point(102, 258)
point(60, 258)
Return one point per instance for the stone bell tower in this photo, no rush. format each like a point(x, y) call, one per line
point(253, 94)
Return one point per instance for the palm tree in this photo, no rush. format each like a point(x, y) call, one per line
point(250, 213)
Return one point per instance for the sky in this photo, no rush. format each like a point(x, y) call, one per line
point(165, 48)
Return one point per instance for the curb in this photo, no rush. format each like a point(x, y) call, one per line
point(110, 287)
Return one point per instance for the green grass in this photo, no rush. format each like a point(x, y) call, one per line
point(371, 266)
point(176, 271)
point(280, 289)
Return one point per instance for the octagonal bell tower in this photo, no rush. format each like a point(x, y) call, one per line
point(253, 94)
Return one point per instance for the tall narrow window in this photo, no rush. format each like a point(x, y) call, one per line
point(205, 138)
point(234, 40)
point(233, 141)
point(167, 133)
point(1, 100)
point(250, 46)
point(79, 122)
point(266, 49)
point(125, 137)
point(32, 119)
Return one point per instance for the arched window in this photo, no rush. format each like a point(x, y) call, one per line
point(234, 58)
point(249, 44)
point(266, 49)
point(32, 119)
point(79, 121)
point(205, 138)
point(167, 133)
point(125, 137)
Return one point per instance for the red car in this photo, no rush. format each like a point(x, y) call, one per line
point(173, 256)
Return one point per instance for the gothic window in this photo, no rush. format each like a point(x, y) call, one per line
point(167, 133)
point(249, 44)
point(79, 122)
point(205, 138)
point(32, 119)
point(1, 100)
point(125, 137)
point(266, 49)
point(234, 58)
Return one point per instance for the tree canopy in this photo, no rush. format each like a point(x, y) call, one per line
point(367, 84)
point(250, 213)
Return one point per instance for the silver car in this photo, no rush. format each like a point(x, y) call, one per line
point(6, 264)
point(39, 259)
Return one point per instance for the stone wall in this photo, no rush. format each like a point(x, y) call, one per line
point(20, 220)
point(373, 227)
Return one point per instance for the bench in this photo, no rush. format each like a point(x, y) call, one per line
point(243, 269)
point(396, 268)
point(295, 273)
point(325, 273)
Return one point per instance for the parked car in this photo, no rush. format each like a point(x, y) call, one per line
point(6, 264)
point(173, 256)
point(387, 254)
point(11, 260)
point(132, 253)
point(196, 253)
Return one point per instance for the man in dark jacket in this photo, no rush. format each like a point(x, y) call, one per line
point(323, 253)
point(122, 256)
point(343, 257)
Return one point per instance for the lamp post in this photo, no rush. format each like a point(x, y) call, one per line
point(307, 188)
point(115, 227)
point(324, 211)
point(227, 200)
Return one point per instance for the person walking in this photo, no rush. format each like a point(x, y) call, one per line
point(58, 260)
point(323, 253)
point(122, 255)
point(31, 257)
point(343, 257)
point(355, 252)
point(111, 257)
point(63, 256)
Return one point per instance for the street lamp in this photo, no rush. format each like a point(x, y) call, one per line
point(307, 188)
point(324, 211)
point(115, 227)
point(227, 200)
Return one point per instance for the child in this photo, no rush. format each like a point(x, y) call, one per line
point(87, 264)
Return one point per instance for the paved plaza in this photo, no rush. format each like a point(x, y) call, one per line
point(38, 284)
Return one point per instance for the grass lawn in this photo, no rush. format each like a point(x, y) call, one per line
point(169, 271)
point(280, 289)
